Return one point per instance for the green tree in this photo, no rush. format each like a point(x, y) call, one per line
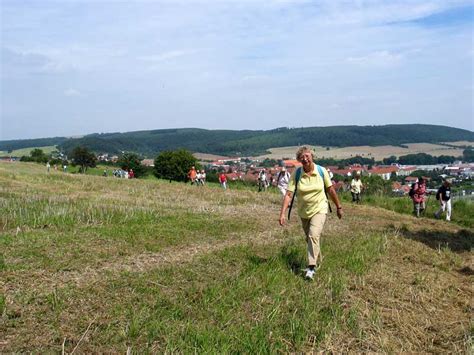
point(376, 185)
point(84, 158)
point(174, 164)
point(391, 159)
point(37, 155)
point(132, 161)
point(417, 159)
point(446, 159)
point(468, 155)
point(269, 163)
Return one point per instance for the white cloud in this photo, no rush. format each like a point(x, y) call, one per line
point(166, 55)
point(72, 92)
point(379, 58)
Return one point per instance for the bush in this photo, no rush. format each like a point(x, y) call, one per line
point(84, 158)
point(132, 161)
point(174, 164)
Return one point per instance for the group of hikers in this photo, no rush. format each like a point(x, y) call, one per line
point(48, 167)
point(197, 177)
point(121, 173)
point(443, 195)
point(313, 187)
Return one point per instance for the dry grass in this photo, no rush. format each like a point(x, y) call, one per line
point(105, 265)
point(208, 157)
point(461, 143)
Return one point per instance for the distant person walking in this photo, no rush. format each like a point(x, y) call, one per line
point(192, 175)
point(418, 192)
point(65, 168)
point(198, 178)
point(311, 190)
point(48, 166)
point(203, 177)
point(282, 180)
point(262, 181)
point(356, 187)
point(444, 197)
point(223, 181)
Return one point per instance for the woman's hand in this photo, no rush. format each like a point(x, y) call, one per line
point(282, 220)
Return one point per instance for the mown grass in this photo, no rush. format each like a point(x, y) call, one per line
point(242, 299)
point(96, 265)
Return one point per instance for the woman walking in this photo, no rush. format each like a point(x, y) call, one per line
point(311, 190)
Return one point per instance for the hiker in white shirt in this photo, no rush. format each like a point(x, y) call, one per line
point(282, 180)
point(356, 187)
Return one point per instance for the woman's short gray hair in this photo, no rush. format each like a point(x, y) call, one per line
point(302, 150)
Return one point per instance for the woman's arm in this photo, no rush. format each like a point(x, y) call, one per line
point(332, 193)
point(284, 206)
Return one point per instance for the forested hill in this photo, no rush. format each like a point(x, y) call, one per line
point(247, 142)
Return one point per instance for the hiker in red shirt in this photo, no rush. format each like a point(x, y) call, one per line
point(223, 180)
point(419, 191)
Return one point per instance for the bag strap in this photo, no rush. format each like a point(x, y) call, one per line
point(321, 173)
point(297, 179)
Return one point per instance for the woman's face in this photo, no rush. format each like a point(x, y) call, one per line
point(306, 158)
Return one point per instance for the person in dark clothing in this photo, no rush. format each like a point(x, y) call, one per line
point(444, 197)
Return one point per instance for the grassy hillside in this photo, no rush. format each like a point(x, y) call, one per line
point(26, 151)
point(226, 142)
point(93, 264)
point(247, 142)
point(30, 143)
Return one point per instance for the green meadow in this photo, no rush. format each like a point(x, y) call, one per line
point(92, 264)
point(26, 151)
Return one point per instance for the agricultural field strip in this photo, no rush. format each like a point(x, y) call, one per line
point(377, 152)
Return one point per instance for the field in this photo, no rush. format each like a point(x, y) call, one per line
point(26, 151)
point(91, 265)
point(378, 153)
point(461, 144)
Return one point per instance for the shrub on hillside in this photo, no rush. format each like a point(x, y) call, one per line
point(36, 155)
point(132, 161)
point(174, 164)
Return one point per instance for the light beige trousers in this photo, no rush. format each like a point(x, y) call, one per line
point(313, 227)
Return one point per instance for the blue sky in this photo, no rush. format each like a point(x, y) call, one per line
point(75, 67)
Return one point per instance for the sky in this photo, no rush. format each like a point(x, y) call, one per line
point(74, 67)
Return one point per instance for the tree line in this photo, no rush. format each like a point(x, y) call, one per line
point(249, 142)
point(174, 164)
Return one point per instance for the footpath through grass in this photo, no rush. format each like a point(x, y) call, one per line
point(92, 264)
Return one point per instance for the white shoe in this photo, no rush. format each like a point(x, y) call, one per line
point(309, 274)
